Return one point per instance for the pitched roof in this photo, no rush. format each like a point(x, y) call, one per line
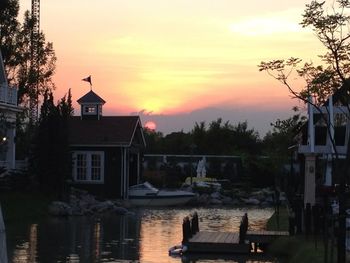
point(91, 97)
point(3, 78)
point(108, 131)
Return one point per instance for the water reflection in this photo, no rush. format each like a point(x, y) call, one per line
point(142, 237)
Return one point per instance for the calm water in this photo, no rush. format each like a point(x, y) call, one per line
point(143, 237)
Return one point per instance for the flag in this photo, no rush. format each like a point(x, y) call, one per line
point(87, 79)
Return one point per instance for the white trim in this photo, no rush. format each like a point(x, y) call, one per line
point(124, 173)
point(90, 106)
point(88, 166)
point(138, 123)
point(311, 127)
point(138, 169)
point(121, 171)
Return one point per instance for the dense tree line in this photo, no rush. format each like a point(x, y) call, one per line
point(220, 138)
point(262, 159)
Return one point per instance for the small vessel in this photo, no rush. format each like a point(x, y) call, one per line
point(177, 250)
point(147, 195)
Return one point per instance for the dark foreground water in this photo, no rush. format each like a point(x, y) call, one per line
point(144, 236)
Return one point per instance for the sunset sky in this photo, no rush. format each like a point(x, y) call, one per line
point(178, 61)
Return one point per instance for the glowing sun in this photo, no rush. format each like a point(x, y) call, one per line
point(151, 125)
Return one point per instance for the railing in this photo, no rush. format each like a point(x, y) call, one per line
point(322, 149)
point(19, 165)
point(8, 95)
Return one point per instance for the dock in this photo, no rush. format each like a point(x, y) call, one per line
point(242, 242)
point(217, 242)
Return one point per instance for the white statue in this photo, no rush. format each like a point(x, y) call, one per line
point(201, 170)
point(204, 170)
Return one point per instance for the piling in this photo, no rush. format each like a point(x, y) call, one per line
point(186, 230)
point(307, 220)
point(243, 227)
point(194, 223)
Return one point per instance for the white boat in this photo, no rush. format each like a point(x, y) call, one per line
point(147, 195)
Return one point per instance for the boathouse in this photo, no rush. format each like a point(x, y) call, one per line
point(106, 150)
point(8, 111)
point(326, 123)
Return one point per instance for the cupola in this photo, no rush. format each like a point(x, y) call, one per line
point(91, 106)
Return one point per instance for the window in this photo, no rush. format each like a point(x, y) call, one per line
point(95, 167)
point(90, 109)
point(81, 167)
point(88, 167)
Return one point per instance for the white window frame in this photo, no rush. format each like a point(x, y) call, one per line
point(90, 106)
point(88, 166)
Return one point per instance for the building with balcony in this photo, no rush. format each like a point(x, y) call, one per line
point(8, 111)
point(323, 139)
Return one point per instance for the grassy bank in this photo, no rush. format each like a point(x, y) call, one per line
point(294, 249)
point(278, 221)
point(17, 206)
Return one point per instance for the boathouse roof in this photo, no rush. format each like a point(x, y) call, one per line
point(91, 97)
point(107, 131)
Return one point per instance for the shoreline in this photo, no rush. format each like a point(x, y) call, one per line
point(298, 248)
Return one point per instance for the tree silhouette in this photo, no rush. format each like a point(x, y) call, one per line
point(331, 27)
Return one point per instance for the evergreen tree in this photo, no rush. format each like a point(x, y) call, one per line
point(32, 82)
point(50, 160)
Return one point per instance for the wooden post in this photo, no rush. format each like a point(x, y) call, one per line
point(186, 230)
point(308, 219)
point(316, 219)
point(243, 228)
point(194, 223)
point(298, 215)
point(291, 222)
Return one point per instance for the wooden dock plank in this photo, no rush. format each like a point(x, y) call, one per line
point(231, 238)
point(223, 237)
point(216, 242)
point(228, 242)
point(226, 238)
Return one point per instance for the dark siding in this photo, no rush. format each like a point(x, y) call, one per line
point(90, 117)
point(133, 169)
point(112, 173)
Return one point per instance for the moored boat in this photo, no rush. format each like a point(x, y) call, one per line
point(147, 195)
